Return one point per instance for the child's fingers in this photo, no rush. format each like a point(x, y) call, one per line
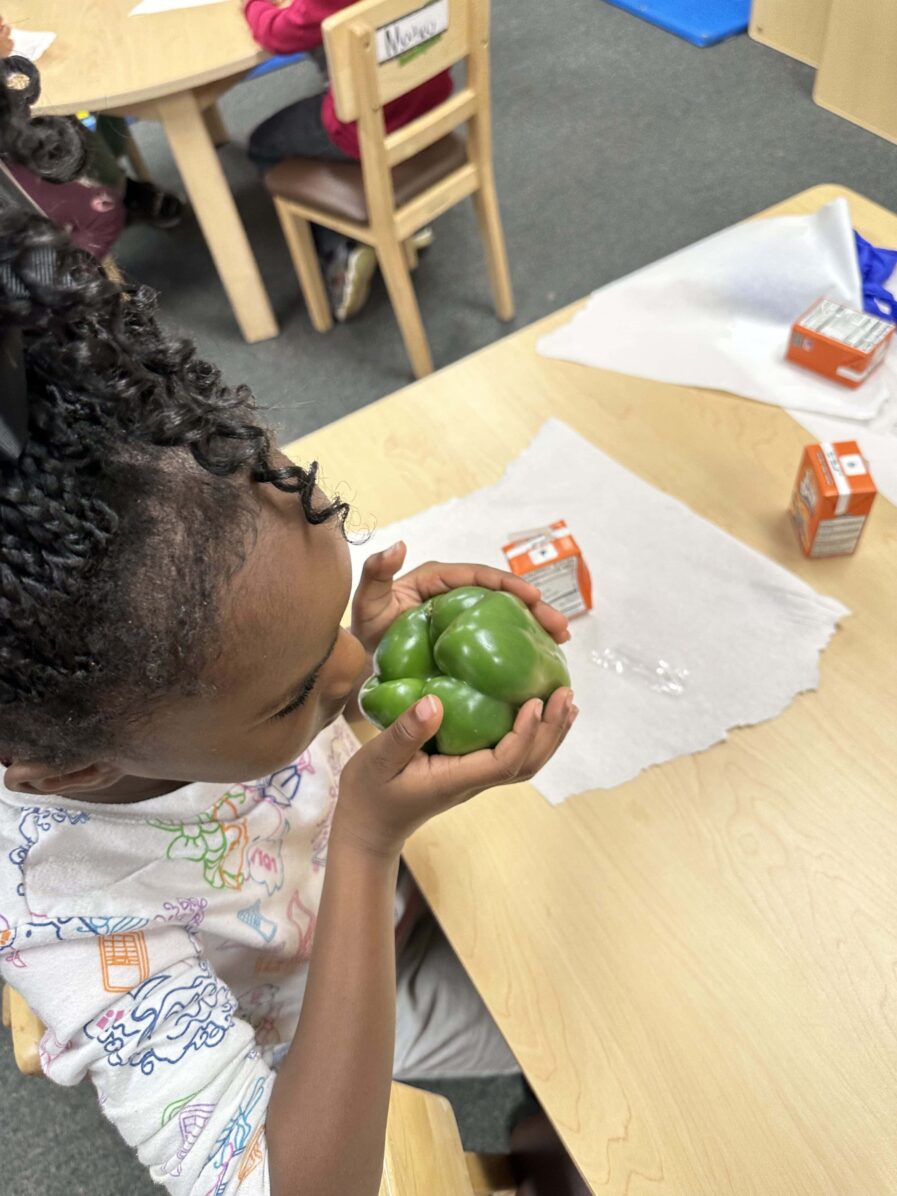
point(556, 624)
point(436, 578)
point(397, 746)
point(383, 566)
point(537, 732)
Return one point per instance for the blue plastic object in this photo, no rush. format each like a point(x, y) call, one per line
point(277, 63)
point(876, 267)
point(701, 22)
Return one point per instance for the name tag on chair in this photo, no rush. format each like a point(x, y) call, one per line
point(410, 32)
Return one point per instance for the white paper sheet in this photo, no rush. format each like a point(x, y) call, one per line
point(153, 6)
point(31, 44)
point(669, 586)
point(717, 314)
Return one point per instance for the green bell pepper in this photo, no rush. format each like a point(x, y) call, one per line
point(481, 652)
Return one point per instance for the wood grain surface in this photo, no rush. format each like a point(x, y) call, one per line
point(697, 970)
point(104, 58)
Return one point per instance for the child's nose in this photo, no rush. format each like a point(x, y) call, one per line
point(346, 664)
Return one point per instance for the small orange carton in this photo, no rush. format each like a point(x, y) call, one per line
point(832, 496)
point(838, 342)
point(551, 559)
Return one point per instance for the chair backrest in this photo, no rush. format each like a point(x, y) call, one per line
point(378, 50)
point(412, 40)
point(423, 1152)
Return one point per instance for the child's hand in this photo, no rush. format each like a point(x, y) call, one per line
point(389, 787)
point(381, 598)
point(5, 40)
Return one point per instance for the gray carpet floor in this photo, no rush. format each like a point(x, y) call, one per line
point(615, 144)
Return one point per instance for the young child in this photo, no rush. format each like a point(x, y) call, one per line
point(86, 192)
point(310, 128)
point(217, 954)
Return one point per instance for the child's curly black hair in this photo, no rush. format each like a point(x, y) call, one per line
point(128, 507)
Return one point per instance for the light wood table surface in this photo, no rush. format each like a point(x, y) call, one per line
point(697, 970)
point(169, 67)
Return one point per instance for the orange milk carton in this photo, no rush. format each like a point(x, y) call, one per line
point(838, 342)
point(832, 497)
point(551, 559)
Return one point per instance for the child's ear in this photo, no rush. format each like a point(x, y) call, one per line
point(41, 780)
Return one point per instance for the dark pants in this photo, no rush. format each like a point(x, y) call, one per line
point(297, 131)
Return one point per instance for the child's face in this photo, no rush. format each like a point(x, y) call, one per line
point(285, 667)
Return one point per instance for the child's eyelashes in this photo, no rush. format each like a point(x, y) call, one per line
point(294, 703)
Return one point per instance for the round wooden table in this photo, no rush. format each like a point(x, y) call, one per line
point(171, 67)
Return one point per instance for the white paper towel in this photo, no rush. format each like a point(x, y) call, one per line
point(669, 586)
point(718, 313)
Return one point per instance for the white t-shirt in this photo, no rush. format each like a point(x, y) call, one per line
point(165, 945)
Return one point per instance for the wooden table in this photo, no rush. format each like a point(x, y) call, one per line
point(169, 67)
point(696, 970)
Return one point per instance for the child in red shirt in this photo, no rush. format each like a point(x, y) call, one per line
point(310, 128)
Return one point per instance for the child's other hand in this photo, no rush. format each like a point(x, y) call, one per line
point(5, 40)
point(381, 597)
point(390, 787)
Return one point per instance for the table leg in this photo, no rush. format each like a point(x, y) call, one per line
point(216, 212)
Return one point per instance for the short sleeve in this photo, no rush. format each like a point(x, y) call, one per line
point(176, 1071)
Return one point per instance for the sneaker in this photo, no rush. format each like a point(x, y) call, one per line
point(149, 204)
point(350, 271)
point(423, 238)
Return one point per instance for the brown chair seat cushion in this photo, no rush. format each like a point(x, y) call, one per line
point(338, 188)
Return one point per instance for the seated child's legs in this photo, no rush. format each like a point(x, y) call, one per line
point(296, 131)
point(443, 1029)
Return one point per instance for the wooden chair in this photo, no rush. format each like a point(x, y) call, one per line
point(407, 178)
point(423, 1155)
point(27, 1030)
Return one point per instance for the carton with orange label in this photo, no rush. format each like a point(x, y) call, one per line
point(838, 342)
point(551, 559)
point(832, 498)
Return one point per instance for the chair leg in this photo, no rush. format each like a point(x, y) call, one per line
point(305, 259)
point(490, 1174)
point(396, 275)
point(216, 126)
point(486, 204)
point(411, 255)
point(135, 157)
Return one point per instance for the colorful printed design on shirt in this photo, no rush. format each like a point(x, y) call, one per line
point(49, 1049)
point(222, 844)
point(8, 953)
point(261, 1008)
point(234, 1139)
point(219, 847)
point(192, 1120)
point(35, 821)
point(253, 1154)
point(253, 917)
point(124, 961)
point(63, 928)
point(282, 787)
point(156, 1024)
point(187, 911)
point(279, 961)
point(264, 854)
point(342, 747)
